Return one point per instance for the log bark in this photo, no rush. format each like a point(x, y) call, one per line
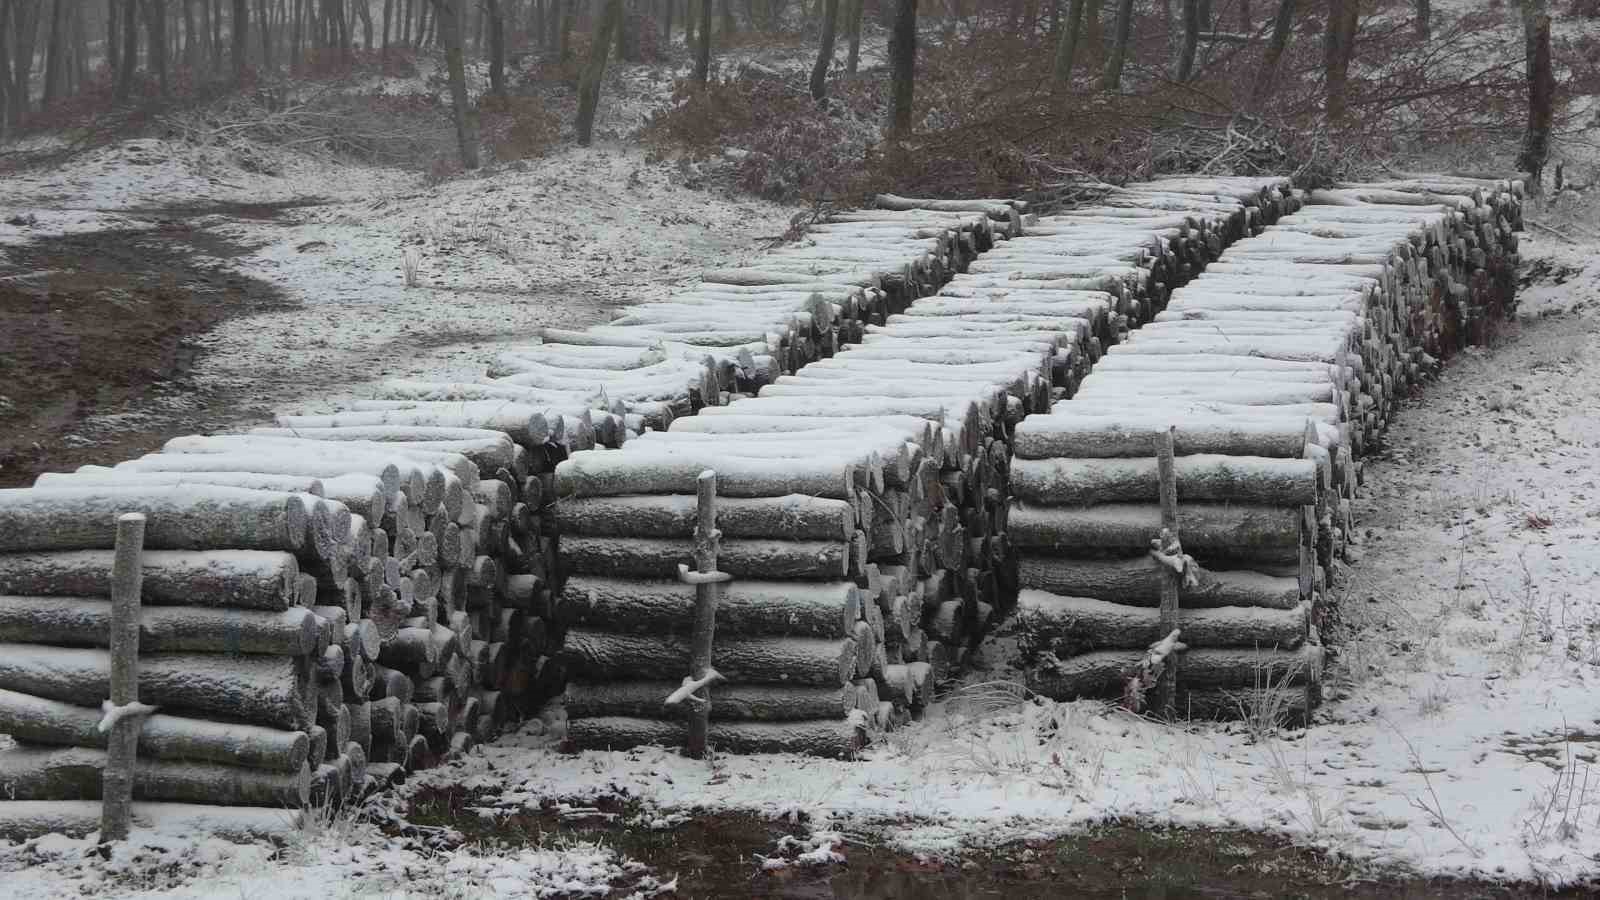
point(1067, 626)
point(38, 773)
point(604, 473)
point(41, 721)
point(1137, 581)
point(801, 609)
point(241, 579)
point(602, 656)
point(180, 518)
point(1099, 437)
point(754, 558)
point(95, 476)
point(87, 621)
point(832, 738)
point(265, 690)
point(733, 702)
point(1206, 477)
point(22, 820)
point(1102, 672)
point(525, 425)
point(792, 517)
point(1227, 530)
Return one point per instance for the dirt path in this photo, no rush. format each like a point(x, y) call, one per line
point(97, 342)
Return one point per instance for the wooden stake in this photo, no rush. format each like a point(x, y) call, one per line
point(706, 581)
point(1171, 579)
point(126, 576)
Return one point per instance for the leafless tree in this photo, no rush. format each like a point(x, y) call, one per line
point(902, 66)
point(594, 69)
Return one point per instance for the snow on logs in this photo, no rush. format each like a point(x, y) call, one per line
point(1271, 371)
point(867, 494)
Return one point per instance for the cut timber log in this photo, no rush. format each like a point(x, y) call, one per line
point(794, 517)
point(754, 702)
point(1137, 581)
point(1211, 529)
point(1234, 479)
point(1077, 436)
point(42, 721)
point(242, 579)
point(601, 473)
point(753, 558)
point(87, 621)
point(180, 518)
point(802, 609)
point(265, 690)
point(1067, 626)
point(603, 656)
point(834, 738)
point(1102, 673)
point(525, 425)
point(21, 820)
point(73, 773)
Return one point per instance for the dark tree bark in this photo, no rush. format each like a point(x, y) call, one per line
point(1093, 34)
point(388, 18)
point(264, 25)
point(130, 49)
point(1112, 81)
point(241, 39)
point(55, 52)
point(113, 36)
point(702, 50)
point(1424, 19)
point(155, 12)
point(26, 15)
point(1338, 47)
point(902, 66)
point(1246, 21)
point(1191, 39)
point(667, 7)
point(191, 40)
point(448, 15)
point(852, 60)
point(1541, 91)
point(623, 33)
point(216, 35)
point(1067, 45)
point(5, 69)
point(594, 70)
point(1282, 25)
point(497, 48)
point(729, 26)
point(569, 12)
point(819, 72)
point(365, 14)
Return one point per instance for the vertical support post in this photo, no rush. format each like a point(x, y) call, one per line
point(1166, 685)
point(707, 581)
point(127, 572)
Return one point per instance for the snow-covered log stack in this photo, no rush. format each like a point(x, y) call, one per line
point(246, 640)
point(835, 529)
point(1271, 369)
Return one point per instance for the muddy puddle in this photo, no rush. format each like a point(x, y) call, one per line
point(96, 341)
point(720, 856)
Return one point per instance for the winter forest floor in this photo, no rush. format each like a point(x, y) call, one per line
point(151, 288)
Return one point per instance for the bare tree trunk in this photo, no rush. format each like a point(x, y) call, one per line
point(130, 49)
point(1424, 19)
point(1112, 81)
point(113, 36)
point(819, 72)
point(5, 69)
point(216, 35)
point(569, 12)
point(729, 26)
point(1246, 21)
point(902, 66)
point(1338, 46)
point(26, 16)
point(666, 21)
point(241, 39)
point(1541, 90)
point(497, 48)
point(55, 48)
point(594, 70)
point(1282, 25)
point(448, 15)
point(365, 15)
point(388, 18)
point(852, 60)
point(79, 56)
point(191, 40)
point(702, 50)
point(156, 23)
point(1093, 34)
point(1191, 39)
point(1067, 45)
point(623, 33)
point(263, 22)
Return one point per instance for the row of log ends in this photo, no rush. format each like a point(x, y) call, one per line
point(1271, 372)
point(864, 501)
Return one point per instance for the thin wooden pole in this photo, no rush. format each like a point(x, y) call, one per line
point(122, 749)
point(1166, 685)
point(707, 581)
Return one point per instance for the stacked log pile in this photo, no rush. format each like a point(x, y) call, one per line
point(877, 477)
point(1270, 371)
